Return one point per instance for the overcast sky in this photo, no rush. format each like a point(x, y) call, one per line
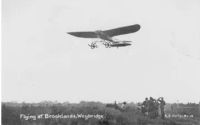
point(41, 62)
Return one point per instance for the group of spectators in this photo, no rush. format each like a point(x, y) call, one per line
point(153, 108)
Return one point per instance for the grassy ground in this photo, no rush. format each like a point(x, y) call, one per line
point(11, 113)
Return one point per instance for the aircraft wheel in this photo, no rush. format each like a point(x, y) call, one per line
point(106, 45)
point(91, 46)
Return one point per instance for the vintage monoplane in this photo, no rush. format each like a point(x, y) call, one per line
point(106, 36)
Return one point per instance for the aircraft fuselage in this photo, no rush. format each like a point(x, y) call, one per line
point(113, 43)
point(120, 44)
point(103, 36)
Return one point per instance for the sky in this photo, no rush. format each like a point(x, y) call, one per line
point(40, 61)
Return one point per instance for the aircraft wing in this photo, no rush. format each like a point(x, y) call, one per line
point(122, 30)
point(84, 34)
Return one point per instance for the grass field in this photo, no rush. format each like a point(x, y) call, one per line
point(86, 113)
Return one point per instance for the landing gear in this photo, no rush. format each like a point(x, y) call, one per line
point(93, 45)
point(107, 44)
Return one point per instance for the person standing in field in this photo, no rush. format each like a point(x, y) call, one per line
point(152, 108)
point(145, 107)
point(162, 105)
